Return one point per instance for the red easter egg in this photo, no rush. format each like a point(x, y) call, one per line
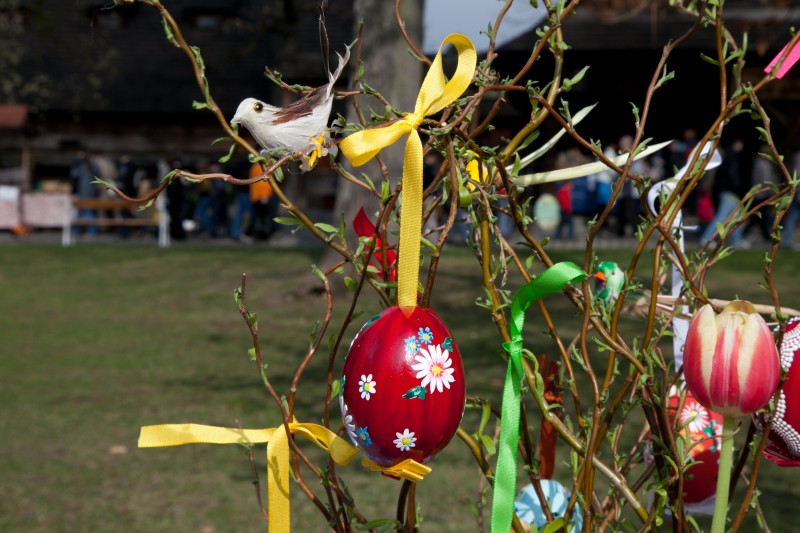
point(703, 429)
point(784, 438)
point(402, 394)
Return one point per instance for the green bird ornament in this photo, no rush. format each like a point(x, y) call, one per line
point(609, 281)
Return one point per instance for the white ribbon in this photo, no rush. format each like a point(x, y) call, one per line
point(663, 190)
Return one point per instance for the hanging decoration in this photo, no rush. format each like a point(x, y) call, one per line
point(551, 280)
point(402, 388)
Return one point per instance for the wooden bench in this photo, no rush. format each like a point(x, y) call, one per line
point(108, 213)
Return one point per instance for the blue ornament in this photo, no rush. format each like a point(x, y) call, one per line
point(528, 508)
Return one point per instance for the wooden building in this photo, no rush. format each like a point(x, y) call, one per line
point(106, 78)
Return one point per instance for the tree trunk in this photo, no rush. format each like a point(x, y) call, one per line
point(393, 72)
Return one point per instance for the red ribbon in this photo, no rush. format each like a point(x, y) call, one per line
point(547, 435)
point(364, 227)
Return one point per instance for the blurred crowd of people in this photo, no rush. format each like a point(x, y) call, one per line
point(719, 193)
point(215, 209)
point(210, 208)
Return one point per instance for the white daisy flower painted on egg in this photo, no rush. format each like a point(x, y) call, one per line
point(434, 368)
point(366, 386)
point(349, 423)
point(405, 440)
point(695, 415)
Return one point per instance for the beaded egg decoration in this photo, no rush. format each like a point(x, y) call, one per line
point(402, 390)
point(784, 438)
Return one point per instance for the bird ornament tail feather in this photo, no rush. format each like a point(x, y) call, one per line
point(301, 127)
point(325, 47)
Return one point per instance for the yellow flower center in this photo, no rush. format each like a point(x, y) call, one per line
point(406, 441)
point(436, 369)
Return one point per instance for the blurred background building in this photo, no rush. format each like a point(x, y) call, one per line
point(89, 75)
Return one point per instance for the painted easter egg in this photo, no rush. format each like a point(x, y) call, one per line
point(702, 429)
point(529, 509)
point(402, 390)
point(547, 212)
point(784, 438)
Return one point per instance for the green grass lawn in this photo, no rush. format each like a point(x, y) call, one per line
point(98, 341)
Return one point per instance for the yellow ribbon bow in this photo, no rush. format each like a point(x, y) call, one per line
point(434, 95)
point(278, 475)
point(408, 469)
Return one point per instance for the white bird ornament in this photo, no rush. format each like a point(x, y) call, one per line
point(301, 127)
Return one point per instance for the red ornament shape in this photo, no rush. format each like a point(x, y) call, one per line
point(403, 393)
point(784, 438)
point(703, 429)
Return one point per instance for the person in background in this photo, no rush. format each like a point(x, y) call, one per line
point(242, 206)
point(505, 223)
point(83, 173)
point(176, 198)
point(765, 175)
point(265, 206)
point(790, 222)
point(202, 210)
point(705, 208)
point(628, 199)
point(600, 184)
point(726, 192)
point(793, 214)
point(218, 204)
point(564, 196)
point(127, 182)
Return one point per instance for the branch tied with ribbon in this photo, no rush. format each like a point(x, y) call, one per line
point(277, 440)
point(435, 94)
point(360, 147)
point(554, 279)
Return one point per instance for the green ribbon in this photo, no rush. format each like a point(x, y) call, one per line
point(551, 280)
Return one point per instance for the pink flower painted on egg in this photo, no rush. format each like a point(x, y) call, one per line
point(695, 415)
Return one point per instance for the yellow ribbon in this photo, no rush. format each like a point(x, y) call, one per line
point(408, 469)
point(434, 95)
point(278, 474)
